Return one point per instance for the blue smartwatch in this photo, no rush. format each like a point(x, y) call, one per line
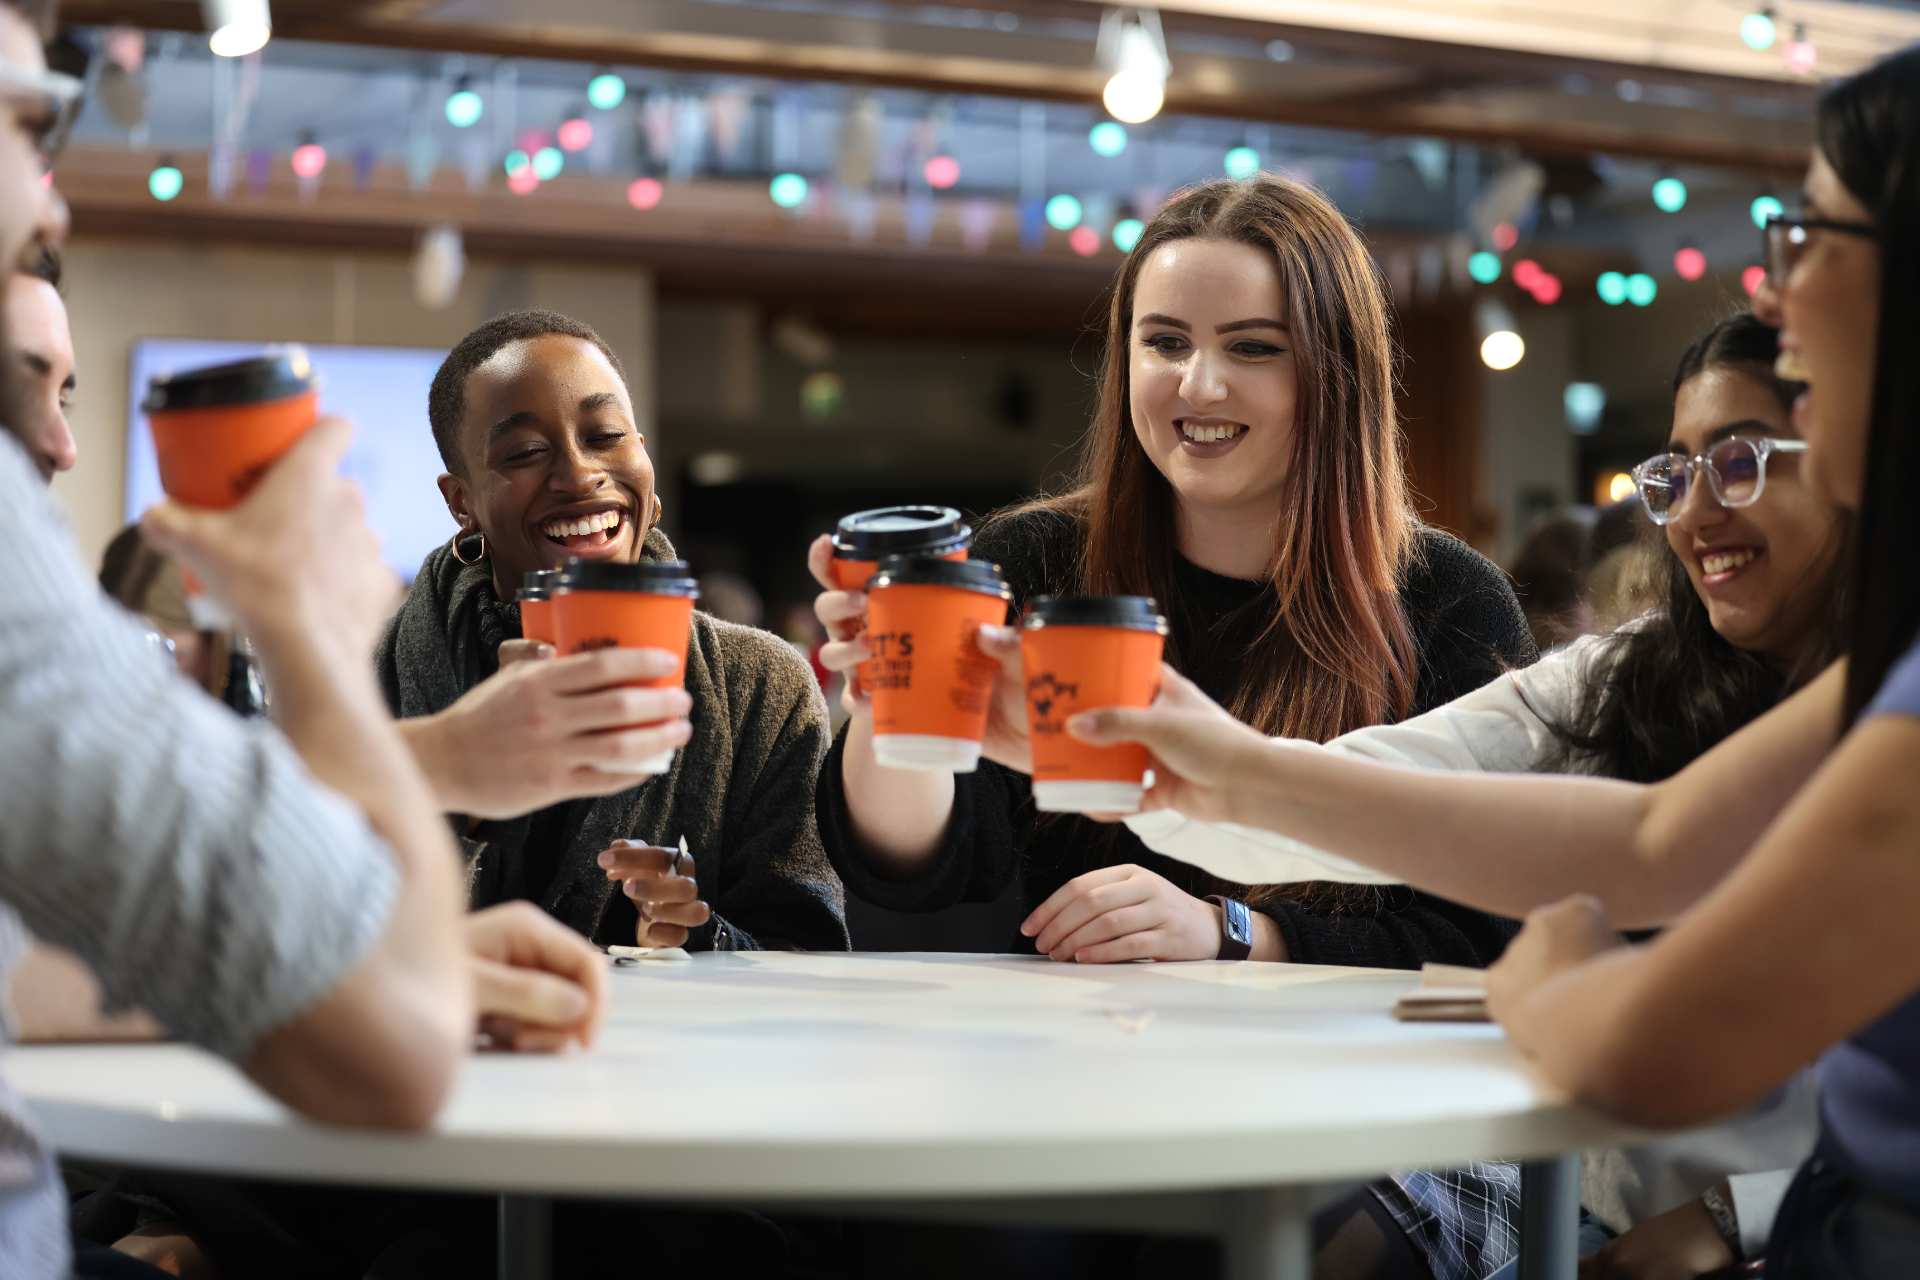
point(1236, 928)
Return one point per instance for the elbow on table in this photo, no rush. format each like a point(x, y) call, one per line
point(405, 1091)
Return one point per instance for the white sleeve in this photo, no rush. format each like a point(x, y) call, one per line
point(1501, 727)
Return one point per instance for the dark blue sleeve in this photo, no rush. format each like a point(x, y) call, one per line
point(1900, 695)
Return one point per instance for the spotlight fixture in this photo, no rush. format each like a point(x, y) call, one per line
point(236, 28)
point(1133, 45)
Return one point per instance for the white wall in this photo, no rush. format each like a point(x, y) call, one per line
point(121, 291)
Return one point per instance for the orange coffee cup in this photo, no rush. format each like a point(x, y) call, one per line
point(627, 606)
point(931, 685)
point(536, 606)
point(1083, 653)
point(216, 430)
point(865, 538)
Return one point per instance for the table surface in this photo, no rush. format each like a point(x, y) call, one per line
point(780, 1076)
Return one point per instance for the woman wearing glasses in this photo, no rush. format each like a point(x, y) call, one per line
point(1793, 858)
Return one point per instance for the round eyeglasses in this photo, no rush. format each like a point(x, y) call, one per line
point(1736, 470)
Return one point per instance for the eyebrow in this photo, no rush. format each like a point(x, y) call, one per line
point(1234, 326)
point(526, 417)
point(1744, 427)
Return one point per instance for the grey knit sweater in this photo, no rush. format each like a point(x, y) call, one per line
point(740, 791)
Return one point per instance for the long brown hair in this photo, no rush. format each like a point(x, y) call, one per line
point(1336, 652)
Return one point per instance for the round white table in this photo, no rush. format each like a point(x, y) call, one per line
point(1207, 1097)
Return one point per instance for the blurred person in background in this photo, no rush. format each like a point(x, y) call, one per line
point(1549, 575)
point(39, 358)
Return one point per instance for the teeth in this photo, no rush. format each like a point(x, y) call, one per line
point(583, 526)
point(1724, 561)
point(1790, 366)
point(1207, 435)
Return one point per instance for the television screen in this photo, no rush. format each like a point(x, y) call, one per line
point(381, 390)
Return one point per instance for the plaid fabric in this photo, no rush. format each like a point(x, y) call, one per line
point(1464, 1222)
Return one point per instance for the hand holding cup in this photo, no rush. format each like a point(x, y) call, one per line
point(295, 553)
point(546, 729)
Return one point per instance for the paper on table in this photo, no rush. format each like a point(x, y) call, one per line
point(1446, 993)
point(1245, 855)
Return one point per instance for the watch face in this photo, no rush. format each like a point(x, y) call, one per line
point(1239, 926)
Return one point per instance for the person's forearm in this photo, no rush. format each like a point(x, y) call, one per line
point(56, 998)
point(333, 715)
point(899, 816)
point(1503, 844)
point(414, 995)
point(425, 738)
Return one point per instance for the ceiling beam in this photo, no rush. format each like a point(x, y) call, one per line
point(1215, 88)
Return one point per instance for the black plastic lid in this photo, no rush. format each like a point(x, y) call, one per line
point(541, 580)
point(276, 375)
point(900, 531)
point(931, 571)
point(654, 577)
point(1134, 613)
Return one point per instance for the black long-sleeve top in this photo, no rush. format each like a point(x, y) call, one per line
point(1467, 628)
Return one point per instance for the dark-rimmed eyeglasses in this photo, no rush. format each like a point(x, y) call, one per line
point(45, 103)
point(1784, 240)
point(1736, 470)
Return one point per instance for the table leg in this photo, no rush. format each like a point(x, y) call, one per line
point(1550, 1219)
point(526, 1238)
point(1270, 1233)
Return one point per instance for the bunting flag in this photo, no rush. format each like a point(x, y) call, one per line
point(976, 224)
point(920, 213)
point(259, 169)
point(656, 127)
point(1431, 159)
point(689, 138)
point(1033, 225)
point(727, 111)
point(861, 210)
point(856, 150)
point(423, 157)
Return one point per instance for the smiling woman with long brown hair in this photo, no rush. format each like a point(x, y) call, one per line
point(1243, 467)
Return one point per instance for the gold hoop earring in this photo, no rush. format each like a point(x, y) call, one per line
point(659, 509)
point(453, 548)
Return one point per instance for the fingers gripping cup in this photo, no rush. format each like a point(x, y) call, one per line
point(1083, 653)
point(627, 606)
point(865, 538)
point(216, 430)
point(931, 685)
point(536, 605)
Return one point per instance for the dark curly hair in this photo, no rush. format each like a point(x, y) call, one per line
point(447, 400)
point(1668, 688)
